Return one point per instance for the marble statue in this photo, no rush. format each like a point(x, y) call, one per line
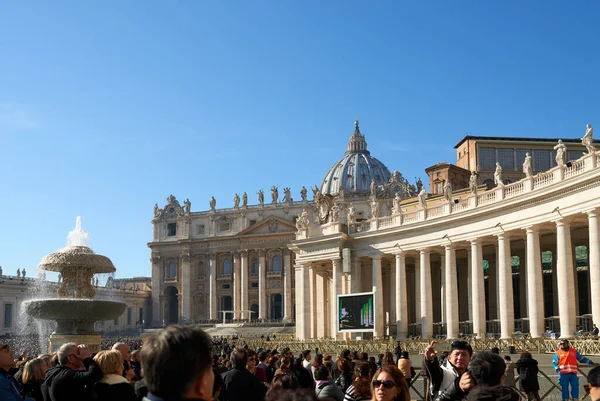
point(188, 206)
point(373, 189)
point(236, 201)
point(302, 222)
point(156, 210)
point(212, 203)
point(287, 193)
point(18, 273)
point(261, 197)
point(315, 190)
point(244, 199)
point(448, 191)
point(588, 140)
point(473, 182)
point(303, 192)
point(334, 216)
point(419, 184)
point(527, 169)
point(422, 196)
point(374, 209)
point(351, 217)
point(274, 193)
point(396, 208)
point(498, 175)
point(561, 153)
point(23, 273)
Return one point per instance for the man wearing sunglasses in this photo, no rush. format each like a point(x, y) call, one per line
point(565, 362)
point(443, 375)
point(9, 388)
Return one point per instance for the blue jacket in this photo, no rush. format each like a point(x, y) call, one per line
point(9, 388)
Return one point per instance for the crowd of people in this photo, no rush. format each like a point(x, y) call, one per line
point(184, 363)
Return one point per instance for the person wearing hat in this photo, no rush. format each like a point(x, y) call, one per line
point(9, 388)
point(565, 362)
point(444, 376)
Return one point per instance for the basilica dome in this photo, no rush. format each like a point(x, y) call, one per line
point(356, 169)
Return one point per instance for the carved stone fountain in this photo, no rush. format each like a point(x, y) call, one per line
point(75, 310)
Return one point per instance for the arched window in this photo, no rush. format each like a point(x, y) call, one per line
point(254, 271)
point(172, 270)
point(276, 264)
point(227, 266)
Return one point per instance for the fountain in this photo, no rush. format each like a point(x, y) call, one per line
point(75, 310)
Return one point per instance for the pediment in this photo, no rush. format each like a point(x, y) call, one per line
point(270, 225)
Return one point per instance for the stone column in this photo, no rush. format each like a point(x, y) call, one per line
point(237, 285)
point(186, 286)
point(443, 289)
point(313, 303)
point(505, 283)
point(288, 302)
point(262, 286)
point(401, 297)
point(426, 316)
point(156, 290)
point(470, 283)
point(478, 289)
point(212, 287)
point(302, 301)
point(594, 264)
point(417, 287)
point(535, 285)
point(244, 290)
point(451, 280)
point(566, 287)
point(392, 295)
point(336, 289)
point(378, 297)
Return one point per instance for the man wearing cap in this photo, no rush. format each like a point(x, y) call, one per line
point(444, 376)
point(565, 362)
point(9, 388)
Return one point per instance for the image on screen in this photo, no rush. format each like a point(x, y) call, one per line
point(356, 313)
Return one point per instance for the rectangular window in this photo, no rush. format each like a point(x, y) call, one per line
point(129, 316)
point(487, 158)
point(224, 226)
point(541, 160)
point(253, 285)
point(8, 315)
point(226, 286)
point(506, 158)
point(200, 229)
point(574, 154)
point(172, 229)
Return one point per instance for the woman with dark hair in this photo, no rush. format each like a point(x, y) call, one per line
point(372, 365)
point(389, 385)
point(318, 361)
point(252, 368)
point(302, 374)
point(527, 368)
point(388, 359)
point(345, 378)
point(282, 381)
point(360, 389)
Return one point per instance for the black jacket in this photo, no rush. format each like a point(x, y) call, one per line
point(528, 371)
point(32, 390)
point(241, 385)
point(65, 384)
point(110, 391)
point(492, 393)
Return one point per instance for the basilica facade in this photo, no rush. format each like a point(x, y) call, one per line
point(480, 255)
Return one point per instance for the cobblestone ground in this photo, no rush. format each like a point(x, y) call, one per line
point(417, 390)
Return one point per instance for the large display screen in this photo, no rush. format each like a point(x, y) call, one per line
point(356, 312)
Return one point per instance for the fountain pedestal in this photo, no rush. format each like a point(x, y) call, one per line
point(92, 341)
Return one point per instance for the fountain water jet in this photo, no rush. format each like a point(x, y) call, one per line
point(75, 310)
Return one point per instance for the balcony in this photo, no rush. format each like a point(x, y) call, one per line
point(224, 277)
point(274, 274)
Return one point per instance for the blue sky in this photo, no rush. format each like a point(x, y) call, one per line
point(107, 107)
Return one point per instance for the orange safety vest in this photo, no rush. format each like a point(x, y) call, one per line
point(567, 361)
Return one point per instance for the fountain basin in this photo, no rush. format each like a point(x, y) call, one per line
point(74, 316)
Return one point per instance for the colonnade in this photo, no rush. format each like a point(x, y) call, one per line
point(393, 309)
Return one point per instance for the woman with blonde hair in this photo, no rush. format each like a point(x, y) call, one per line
point(33, 376)
point(389, 384)
point(113, 386)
